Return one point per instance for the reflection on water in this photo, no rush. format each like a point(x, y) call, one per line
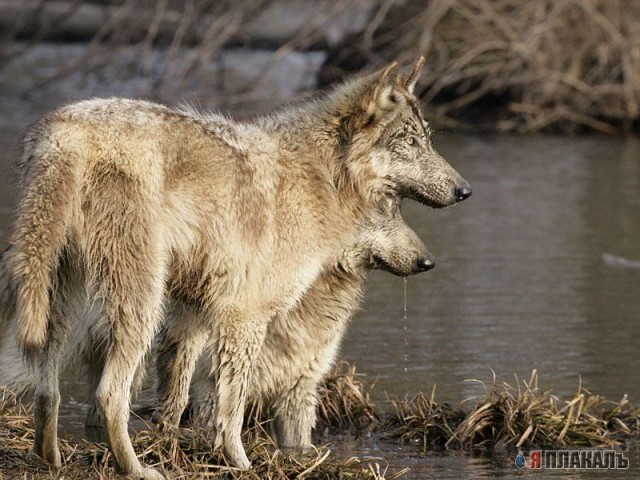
point(524, 280)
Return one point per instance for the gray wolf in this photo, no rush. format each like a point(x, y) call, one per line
point(299, 347)
point(123, 203)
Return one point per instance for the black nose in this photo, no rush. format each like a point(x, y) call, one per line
point(463, 192)
point(425, 264)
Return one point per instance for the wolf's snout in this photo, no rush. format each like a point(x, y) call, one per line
point(426, 263)
point(463, 192)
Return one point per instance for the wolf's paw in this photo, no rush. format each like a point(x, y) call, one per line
point(146, 474)
point(236, 456)
point(51, 458)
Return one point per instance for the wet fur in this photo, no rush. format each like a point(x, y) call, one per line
point(299, 347)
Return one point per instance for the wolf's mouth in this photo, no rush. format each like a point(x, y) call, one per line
point(419, 195)
point(380, 263)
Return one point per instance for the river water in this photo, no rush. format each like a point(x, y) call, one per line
point(539, 269)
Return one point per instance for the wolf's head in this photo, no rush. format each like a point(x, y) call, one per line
point(385, 242)
point(389, 142)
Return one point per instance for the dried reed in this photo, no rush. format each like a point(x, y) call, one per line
point(515, 417)
point(506, 417)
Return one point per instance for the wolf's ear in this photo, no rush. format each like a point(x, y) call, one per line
point(383, 98)
point(412, 79)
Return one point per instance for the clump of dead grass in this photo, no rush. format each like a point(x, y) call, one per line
point(344, 400)
point(180, 453)
point(421, 420)
point(527, 416)
point(524, 416)
point(188, 453)
point(504, 417)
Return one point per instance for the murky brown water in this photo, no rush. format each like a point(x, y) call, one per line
point(535, 270)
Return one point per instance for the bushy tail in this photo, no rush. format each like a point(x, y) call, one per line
point(40, 234)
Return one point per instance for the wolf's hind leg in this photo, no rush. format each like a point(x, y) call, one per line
point(126, 261)
point(94, 354)
point(295, 415)
point(134, 321)
point(182, 340)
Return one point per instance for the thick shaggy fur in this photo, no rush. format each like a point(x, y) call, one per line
point(123, 202)
point(300, 346)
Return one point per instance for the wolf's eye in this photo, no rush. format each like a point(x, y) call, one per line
point(411, 140)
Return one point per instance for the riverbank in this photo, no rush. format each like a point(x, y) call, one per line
point(504, 420)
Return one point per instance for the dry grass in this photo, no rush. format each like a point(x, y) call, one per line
point(508, 65)
point(344, 400)
point(504, 418)
point(181, 454)
point(421, 420)
point(516, 417)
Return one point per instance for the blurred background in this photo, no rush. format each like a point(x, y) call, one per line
point(507, 65)
point(539, 269)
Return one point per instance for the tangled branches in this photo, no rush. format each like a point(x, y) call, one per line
point(552, 64)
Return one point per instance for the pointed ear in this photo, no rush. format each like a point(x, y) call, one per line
point(410, 84)
point(383, 98)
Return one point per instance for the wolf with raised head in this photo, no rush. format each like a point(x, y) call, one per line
point(124, 202)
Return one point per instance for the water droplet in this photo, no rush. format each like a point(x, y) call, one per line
point(520, 461)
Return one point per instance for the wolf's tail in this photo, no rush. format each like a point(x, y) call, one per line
point(48, 187)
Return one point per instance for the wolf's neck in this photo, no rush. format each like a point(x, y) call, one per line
point(315, 133)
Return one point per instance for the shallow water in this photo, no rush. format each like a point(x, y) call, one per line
point(537, 270)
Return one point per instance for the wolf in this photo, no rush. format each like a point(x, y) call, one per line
point(299, 347)
point(123, 203)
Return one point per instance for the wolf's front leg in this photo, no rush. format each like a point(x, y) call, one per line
point(239, 339)
point(295, 415)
